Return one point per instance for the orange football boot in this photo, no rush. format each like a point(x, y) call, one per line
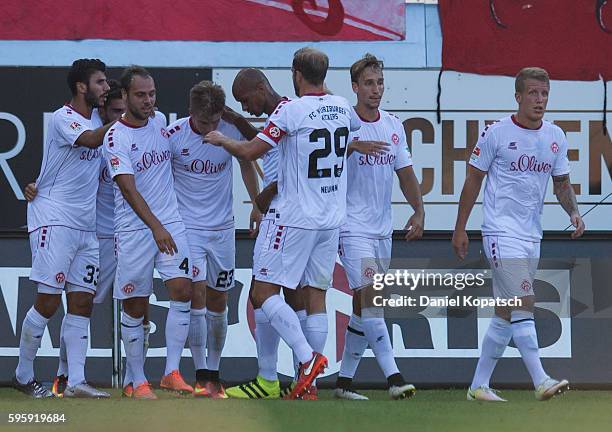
point(144, 391)
point(59, 385)
point(175, 382)
point(307, 374)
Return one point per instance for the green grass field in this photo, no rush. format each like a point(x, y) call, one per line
point(431, 410)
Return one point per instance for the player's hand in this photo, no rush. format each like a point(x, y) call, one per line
point(460, 243)
point(415, 226)
point(30, 191)
point(254, 221)
point(164, 241)
point(578, 223)
point(370, 148)
point(214, 138)
point(229, 115)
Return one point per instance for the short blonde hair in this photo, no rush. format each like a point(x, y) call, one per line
point(535, 73)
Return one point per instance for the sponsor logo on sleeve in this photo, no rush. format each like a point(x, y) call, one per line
point(475, 154)
point(76, 126)
point(114, 161)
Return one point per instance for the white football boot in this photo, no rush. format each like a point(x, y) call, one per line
point(484, 393)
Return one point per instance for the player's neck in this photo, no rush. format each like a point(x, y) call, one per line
point(524, 122)
point(366, 113)
point(79, 105)
point(133, 121)
point(272, 101)
point(310, 89)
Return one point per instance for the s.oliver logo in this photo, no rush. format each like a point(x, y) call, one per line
point(200, 166)
point(90, 154)
point(526, 163)
point(386, 159)
point(152, 158)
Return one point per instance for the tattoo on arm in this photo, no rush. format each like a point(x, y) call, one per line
point(565, 194)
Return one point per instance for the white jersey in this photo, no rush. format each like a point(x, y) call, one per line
point(270, 159)
point(68, 178)
point(312, 133)
point(202, 176)
point(143, 152)
point(105, 202)
point(370, 179)
point(519, 162)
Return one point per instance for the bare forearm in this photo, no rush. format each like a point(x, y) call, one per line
point(565, 194)
point(249, 177)
point(140, 207)
point(94, 138)
point(469, 194)
point(411, 189)
point(264, 199)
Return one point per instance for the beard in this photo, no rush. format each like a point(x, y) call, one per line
point(91, 99)
point(137, 114)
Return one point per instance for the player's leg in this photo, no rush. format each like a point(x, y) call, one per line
point(198, 334)
point(522, 319)
point(295, 299)
point(133, 285)
point(51, 257)
point(81, 286)
point(176, 272)
point(498, 333)
point(355, 344)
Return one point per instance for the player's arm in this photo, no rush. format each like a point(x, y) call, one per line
point(371, 148)
point(249, 177)
point(245, 150)
point(93, 138)
point(567, 198)
point(265, 197)
point(412, 192)
point(30, 191)
point(162, 237)
point(243, 125)
point(469, 194)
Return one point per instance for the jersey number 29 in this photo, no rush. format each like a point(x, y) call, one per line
point(340, 141)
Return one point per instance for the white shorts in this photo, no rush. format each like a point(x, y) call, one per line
point(514, 263)
point(362, 258)
point(213, 255)
point(138, 255)
point(108, 265)
point(62, 255)
point(292, 255)
point(264, 227)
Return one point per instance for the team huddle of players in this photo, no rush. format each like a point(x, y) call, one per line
point(120, 193)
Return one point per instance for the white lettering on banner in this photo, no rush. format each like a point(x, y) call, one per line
point(240, 342)
point(4, 157)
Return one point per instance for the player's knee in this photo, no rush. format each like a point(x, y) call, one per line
point(135, 307)
point(80, 303)
point(262, 292)
point(180, 290)
point(314, 300)
point(294, 298)
point(198, 295)
point(216, 300)
point(47, 304)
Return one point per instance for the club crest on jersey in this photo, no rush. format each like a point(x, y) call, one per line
point(75, 125)
point(60, 278)
point(114, 161)
point(554, 147)
point(128, 288)
point(395, 139)
point(195, 271)
point(369, 272)
point(275, 132)
point(512, 146)
point(185, 152)
point(525, 285)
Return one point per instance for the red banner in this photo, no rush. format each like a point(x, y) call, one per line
point(571, 39)
point(203, 20)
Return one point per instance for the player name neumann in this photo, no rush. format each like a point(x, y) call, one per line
point(446, 301)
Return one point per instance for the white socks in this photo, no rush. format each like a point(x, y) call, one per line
point(76, 338)
point(302, 316)
point(377, 335)
point(197, 337)
point(217, 331)
point(286, 323)
point(355, 345)
point(132, 335)
point(266, 339)
point(526, 340)
point(32, 330)
point(177, 330)
point(62, 368)
point(493, 346)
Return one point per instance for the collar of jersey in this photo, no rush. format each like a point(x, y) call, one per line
point(130, 125)
point(515, 121)
point(368, 121)
point(77, 111)
point(315, 94)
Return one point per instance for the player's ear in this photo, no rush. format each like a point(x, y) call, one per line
point(518, 97)
point(81, 87)
point(355, 87)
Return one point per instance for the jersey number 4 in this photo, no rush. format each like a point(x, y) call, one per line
point(340, 136)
